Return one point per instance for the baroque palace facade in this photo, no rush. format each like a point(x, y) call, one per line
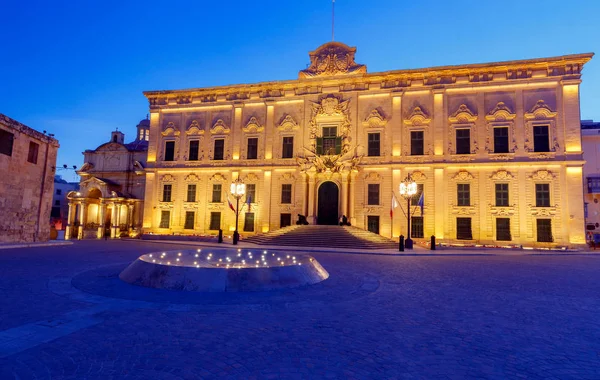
point(495, 149)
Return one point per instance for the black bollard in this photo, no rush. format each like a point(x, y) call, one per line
point(401, 243)
point(220, 235)
point(432, 247)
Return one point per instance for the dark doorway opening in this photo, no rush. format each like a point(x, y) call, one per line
point(328, 204)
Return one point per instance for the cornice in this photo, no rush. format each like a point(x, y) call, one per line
point(567, 67)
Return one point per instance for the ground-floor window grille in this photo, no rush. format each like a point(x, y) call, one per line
point(503, 229)
point(249, 222)
point(416, 228)
point(544, 231)
point(463, 229)
point(215, 221)
point(189, 220)
point(373, 223)
point(285, 220)
point(164, 219)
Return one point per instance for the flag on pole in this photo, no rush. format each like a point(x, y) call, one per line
point(394, 205)
point(249, 202)
point(421, 202)
point(230, 204)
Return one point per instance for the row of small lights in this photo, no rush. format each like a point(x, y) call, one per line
point(227, 262)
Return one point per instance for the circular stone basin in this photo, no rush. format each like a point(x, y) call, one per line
point(223, 270)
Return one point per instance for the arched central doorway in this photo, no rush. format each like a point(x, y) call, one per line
point(328, 203)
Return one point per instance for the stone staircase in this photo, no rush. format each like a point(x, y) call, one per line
point(323, 237)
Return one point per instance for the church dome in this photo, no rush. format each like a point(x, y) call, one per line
point(144, 123)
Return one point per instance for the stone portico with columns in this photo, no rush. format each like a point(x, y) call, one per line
point(111, 191)
point(495, 149)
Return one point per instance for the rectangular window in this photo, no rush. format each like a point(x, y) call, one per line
point(285, 220)
point(373, 194)
point(167, 193)
point(194, 148)
point(288, 147)
point(33, 152)
point(58, 191)
point(286, 193)
point(165, 217)
point(544, 231)
point(541, 140)
point(219, 149)
point(57, 203)
point(216, 193)
point(252, 148)
point(501, 140)
point(416, 228)
point(330, 140)
point(374, 144)
point(6, 142)
point(463, 229)
point(542, 195)
point(215, 221)
point(502, 194)
point(169, 150)
point(189, 220)
point(464, 194)
point(593, 184)
point(251, 192)
point(503, 229)
point(416, 143)
point(191, 193)
point(373, 224)
point(249, 222)
point(463, 141)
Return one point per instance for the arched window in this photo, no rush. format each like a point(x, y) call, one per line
point(115, 138)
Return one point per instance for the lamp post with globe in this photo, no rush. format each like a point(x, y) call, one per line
point(237, 189)
point(408, 189)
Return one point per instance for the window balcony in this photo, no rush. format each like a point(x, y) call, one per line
point(593, 185)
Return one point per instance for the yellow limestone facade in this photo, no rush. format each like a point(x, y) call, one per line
point(496, 149)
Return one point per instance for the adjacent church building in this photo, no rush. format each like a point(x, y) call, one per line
point(109, 202)
point(495, 150)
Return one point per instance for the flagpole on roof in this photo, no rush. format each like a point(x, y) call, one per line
point(332, 20)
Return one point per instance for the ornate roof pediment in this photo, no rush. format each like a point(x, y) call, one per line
point(540, 111)
point(219, 128)
point(332, 58)
point(463, 115)
point(500, 113)
point(375, 120)
point(417, 117)
point(288, 124)
point(253, 126)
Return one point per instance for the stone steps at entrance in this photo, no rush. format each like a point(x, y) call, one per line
point(323, 236)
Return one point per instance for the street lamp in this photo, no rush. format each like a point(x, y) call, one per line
point(237, 189)
point(408, 188)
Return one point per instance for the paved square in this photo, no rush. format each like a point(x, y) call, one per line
point(65, 314)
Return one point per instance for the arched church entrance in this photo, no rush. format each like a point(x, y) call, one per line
point(328, 203)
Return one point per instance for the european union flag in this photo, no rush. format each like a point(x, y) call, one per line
point(421, 202)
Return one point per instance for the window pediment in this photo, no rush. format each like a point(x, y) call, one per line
point(540, 111)
point(167, 178)
point(463, 115)
point(500, 113)
point(194, 128)
point(463, 175)
point(170, 130)
point(288, 124)
point(417, 117)
point(542, 175)
point(218, 177)
point(219, 128)
point(375, 120)
point(253, 126)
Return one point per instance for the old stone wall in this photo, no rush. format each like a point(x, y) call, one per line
point(26, 187)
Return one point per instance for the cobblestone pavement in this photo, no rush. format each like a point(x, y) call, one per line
point(65, 314)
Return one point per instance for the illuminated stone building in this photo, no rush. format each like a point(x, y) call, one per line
point(111, 192)
point(590, 132)
point(495, 148)
point(27, 167)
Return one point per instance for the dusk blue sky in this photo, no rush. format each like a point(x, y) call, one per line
point(78, 68)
